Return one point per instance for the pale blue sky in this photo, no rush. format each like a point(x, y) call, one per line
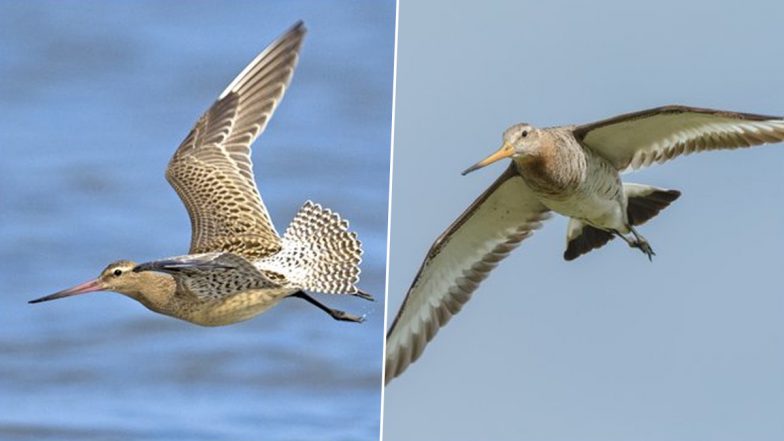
point(609, 347)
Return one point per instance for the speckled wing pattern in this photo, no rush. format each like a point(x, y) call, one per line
point(211, 276)
point(639, 139)
point(319, 253)
point(212, 170)
point(494, 225)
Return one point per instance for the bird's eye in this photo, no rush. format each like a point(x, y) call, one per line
point(524, 134)
point(117, 272)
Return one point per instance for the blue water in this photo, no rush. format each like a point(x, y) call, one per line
point(95, 97)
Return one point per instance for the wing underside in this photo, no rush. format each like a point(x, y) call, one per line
point(639, 139)
point(458, 261)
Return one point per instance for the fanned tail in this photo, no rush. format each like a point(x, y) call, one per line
point(319, 253)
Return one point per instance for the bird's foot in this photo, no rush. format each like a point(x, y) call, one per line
point(643, 246)
point(344, 316)
point(641, 243)
point(638, 242)
point(364, 295)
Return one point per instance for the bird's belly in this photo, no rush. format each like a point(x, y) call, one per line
point(238, 307)
point(593, 208)
point(597, 200)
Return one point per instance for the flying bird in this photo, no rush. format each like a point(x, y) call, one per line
point(571, 170)
point(238, 265)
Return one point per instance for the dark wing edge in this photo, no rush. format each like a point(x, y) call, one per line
point(501, 204)
point(639, 139)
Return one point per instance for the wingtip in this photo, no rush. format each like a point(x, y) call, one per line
point(297, 28)
point(299, 25)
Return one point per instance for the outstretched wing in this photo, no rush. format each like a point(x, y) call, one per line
point(637, 140)
point(504, 215)
point(212, 170)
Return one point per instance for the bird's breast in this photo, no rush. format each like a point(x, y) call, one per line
point(595, 198)
point(554, 173)
point(230, 309)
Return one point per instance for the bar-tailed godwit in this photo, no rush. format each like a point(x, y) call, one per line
point(238, 265)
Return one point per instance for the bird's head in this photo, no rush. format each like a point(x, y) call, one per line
point(117, 276)
point(519, 140)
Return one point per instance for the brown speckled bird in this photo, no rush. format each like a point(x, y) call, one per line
point(238, 266)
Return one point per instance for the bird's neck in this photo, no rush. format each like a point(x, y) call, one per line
point(156, 293)
point(556, 166)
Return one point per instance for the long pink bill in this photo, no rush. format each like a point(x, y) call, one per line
point(91, 286)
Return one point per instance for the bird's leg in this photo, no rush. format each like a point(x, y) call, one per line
point(625, 239)
point(334, 313)
point(638, 242)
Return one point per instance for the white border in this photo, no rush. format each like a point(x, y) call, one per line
point(389, 217)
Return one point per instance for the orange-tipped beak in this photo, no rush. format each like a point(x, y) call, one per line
point(91, 286)
point(506, 151)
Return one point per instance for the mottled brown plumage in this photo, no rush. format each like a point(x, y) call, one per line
point(238, 266)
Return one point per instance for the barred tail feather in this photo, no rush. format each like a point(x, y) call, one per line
point(319, 253)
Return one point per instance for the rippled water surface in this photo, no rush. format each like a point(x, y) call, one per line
point(95, 97)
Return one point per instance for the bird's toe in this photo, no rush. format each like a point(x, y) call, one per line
point(344, 316)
